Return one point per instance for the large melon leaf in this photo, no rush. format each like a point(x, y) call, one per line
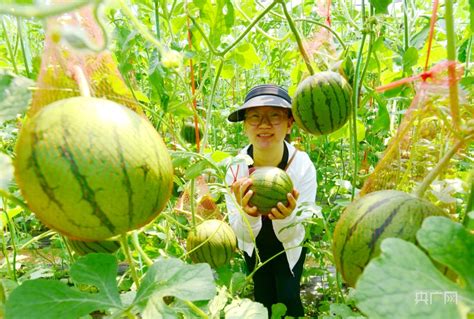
point(15, 95)
point(173, 277)
point(53, 299)
point(166, 277)
point(403, 282)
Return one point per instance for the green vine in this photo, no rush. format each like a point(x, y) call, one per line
point(43, 11)
point(298, 38)
point(451, 48)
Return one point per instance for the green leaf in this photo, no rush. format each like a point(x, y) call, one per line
point(403, 283)
point(53, 299)
point(471, 11)
point(343, 311)
point(419, 39)
point(382, 121)
point(278, 310)
point(196, 169)
point(6, 285)
point(380, 6)
point(98, 270)
point(15, 95)
point(6, 171)
point(345, 131)
point(157, 309)
point(218, 156)
point(237, 282)
point(245, 308)
point(42, 298)
point(218, 302)
point(10, 213)
point(172, 277)
point(246, 56)
point(458, 255)
point(410, 58)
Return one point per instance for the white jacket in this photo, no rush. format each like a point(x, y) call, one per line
point(303, 175)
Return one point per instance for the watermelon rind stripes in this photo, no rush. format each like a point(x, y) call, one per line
point(92, 169)
point(369, 220)
point(322, 103)
point(270, 185)
point(213, 242)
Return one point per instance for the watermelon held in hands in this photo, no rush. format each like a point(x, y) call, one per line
point(270, 185)
point(369, 220)
point(213, 242)
point(92, 169)
point(322, 103)
point(82, 248)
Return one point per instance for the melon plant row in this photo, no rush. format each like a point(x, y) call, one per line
point(92, 169)
point(322, 103)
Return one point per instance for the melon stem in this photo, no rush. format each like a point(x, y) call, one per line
point(128, 256)
point(298, 39)
point(81, 80)
point(440, 166)
point(138, 247)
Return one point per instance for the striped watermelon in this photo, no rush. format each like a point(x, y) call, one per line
point(322, 103)
point(212, 242)
point(369, 220)
point(188, 133)
point(270, 185)
point(86, 247)
point(92, 169)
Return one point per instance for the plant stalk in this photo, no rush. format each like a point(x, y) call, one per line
point(43, 11)
point(451, 48)
point(128, 257)
point(298, 39)
point(249, 27)
point(140, 27)
point(81, 81)
point(322, 25)
point(138, 247)
point(405, 26)
point(9, 46)
point(209, 107)
point(196, 309)
point(421, 189)
point(355, 106)
point(23, 49)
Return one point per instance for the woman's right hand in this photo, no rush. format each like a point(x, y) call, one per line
point(243, 194)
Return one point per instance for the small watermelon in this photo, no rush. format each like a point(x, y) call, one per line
point(322, 103)
point(188, 132)
point(92, 169)
point(213, 242)
point(270, 185)
point(369, 220)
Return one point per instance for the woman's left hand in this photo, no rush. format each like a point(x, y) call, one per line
point(281, 211)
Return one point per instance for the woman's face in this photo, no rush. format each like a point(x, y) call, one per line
point(267, 126)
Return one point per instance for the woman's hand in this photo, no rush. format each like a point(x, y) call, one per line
point(281, 211)
point(243, 194)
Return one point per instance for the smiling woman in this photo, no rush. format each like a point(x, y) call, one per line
point(265, 235)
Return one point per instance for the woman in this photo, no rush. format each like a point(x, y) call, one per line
point(267, 121)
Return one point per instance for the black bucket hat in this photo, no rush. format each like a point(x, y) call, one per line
point(262, 95)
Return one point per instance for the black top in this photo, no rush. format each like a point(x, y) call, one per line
point(284, 159)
